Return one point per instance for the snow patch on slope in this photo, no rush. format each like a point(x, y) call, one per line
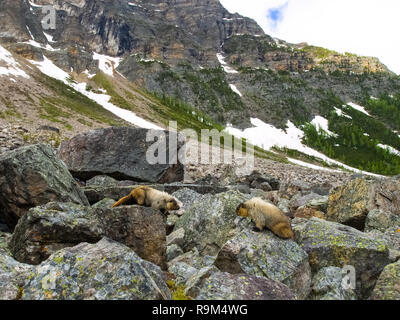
point(49, 68)
point(359, 108)
point(235, 89)
point(107, 64)
point(12, 66)
point(267, 136)
point(322, 123)
point(224, 65)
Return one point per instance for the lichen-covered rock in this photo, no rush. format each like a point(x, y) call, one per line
point(350, 204)
point(381, 220)
point(106, 270)
point(54, 226)
point(4, 239)
point(264, 254)
point(102, 181)
point(49, 228)
point(209, 221)
point(194, 259)
point(173, 251)
point(12, 277)
point(327, 284)
point(308, 213)
point(119, 152)
point(391, 237)
point(321, 203)
point(182, 271)
point(284, 205)
point(105, 203)
point(140, 228)
point(300, 200)
point(177, 237)
point(32, 176)
point(388, 285)
point(333, 244)
point(226, 286)
point(195, 282)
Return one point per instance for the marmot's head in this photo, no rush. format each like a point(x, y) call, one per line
point(242, 210)
point(284, 230)
point(173, 204)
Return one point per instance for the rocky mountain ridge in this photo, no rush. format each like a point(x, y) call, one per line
point(190, 61)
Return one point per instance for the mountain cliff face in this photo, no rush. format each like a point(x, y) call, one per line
point(193, 54)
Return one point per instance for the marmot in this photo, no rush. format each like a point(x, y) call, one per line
point(267, 215)
point(150, 197)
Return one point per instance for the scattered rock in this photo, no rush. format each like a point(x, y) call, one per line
point(98, 193)
point(106, 270)
point(328, 284)
point(177, 237)
point(102, 181)
point(195, 282)
point(264, 254)
point(333, 244)
point(388, 285)
point(120, 152)
point(12, 277)
point(173, 251)
point(381, 220)
point(307, 213)
point(32, 176)
point(320, 203)
point(226, 286)
point(300, 200)
point(182, 272)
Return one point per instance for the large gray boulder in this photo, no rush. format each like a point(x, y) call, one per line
point(333, 244)
point(226, 286)
point(208, 220)
point(350, 204)
point(119, 152)
point(32, 176)
point(47, 229)
point(106, 270)
point(265, 255)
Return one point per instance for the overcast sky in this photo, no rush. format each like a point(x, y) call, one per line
point(364, 27)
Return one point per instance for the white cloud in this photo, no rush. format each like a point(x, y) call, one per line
point(364, 27)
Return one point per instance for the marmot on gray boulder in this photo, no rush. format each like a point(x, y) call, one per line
point(267, 215)
point(146, 196)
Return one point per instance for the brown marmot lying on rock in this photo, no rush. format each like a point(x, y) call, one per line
point(146, 196)
point(267, 215)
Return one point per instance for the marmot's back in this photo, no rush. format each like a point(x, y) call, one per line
point(267, 215)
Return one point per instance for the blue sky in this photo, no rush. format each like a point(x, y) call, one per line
point(364, 27)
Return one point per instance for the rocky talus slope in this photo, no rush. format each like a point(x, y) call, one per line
point(72, 245)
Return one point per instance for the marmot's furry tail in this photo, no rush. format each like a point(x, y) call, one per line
point(266, 215)
point(146, 196)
